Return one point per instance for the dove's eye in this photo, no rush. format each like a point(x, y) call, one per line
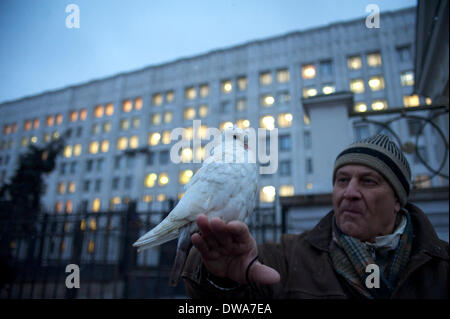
point(234, 137)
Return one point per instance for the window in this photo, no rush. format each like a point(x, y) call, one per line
point(225, 107)
point(374, 59)
point(86, 185)
point(185, 176)
point(93, 147)
point(150, 180)
point(357, 86)
point(306, 119)
point(309, 166)
point(72, 187)
point(83, 115)
point(100, 164)
point(127, 106)
point(284, 168)
point(122, 143)
point(226, 86)
point(61, 188)
point(267, 100)
point(286, 190)
point(168, 117)
point(354, 62)
point(77, 150)
point(225, 125)
point(170, 96)
point(407, 78)
point(267, 194)
point(157, 99)
point(309, 92)
point(27, 125)
point(328, 89)
point(379, 105)
point(156, 119)
point(69, 207)
point(161, 197)
point(200, 154)
point(283, 97)
point(204, 90)
point(95, 128)
point(188, 133)
point(68, 151)
point(128, 182)
point(242, 83)
point(283, 76)
point(153, 138)
point(190, 93)
point(96, 205)
point(50, 121)
point(201, 133)
point(307, 139)
point(265, 78)
point(98, 111)
point(115, 183)
point(267, 122)
point(164, 157)
point(326, 68)
point(186, 155)
point(150, 158)
point(411, 100)
point(189, 113)
point(136, 121)
point(166, 137)
point(138, 103)
point(285, 119)
point(134, 141)
point(404, 53)
point(241, 104)
point(109, 109)
point(203, 110)
point(308, 71)
point(89, 164)
point(285, 143)
point(376, 83)
point(360, 107)
point(243, 123)
point(163, 179)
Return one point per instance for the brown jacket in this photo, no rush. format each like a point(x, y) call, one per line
point(304, 264)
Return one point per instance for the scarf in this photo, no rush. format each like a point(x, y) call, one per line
point(350, 257)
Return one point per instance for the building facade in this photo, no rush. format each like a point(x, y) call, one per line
point(262, 84)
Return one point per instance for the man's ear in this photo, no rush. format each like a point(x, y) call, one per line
point(397, 205)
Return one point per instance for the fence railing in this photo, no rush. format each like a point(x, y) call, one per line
point(35, 253)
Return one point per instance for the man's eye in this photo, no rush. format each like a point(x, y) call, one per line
point(369, 181)
point(342, 180)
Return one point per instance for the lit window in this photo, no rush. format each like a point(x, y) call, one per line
point(157, 99)
point(226, 86)
point(96, 205)
point(201, 133)
point(109, 109)
point(147, 198)
point(50, 120)
point(72, 187)
point(189, 113)
point(379, 105)
point(59, 119)
point(93, 147)
point(124, 124)
point(156, 119)
point(265, 78)
point(267, 100)
point(122, 143)
point(33, 140)
point(73, 116)
point(200, 154)
point(267, 122)
point(243, 123)
point(69, 207)
point(225, 125)
point(374, 59)
point(166, 137)
point(203, 110)
point(138, 103)
point(411, 100)
point(267, 194)
point(83, 114)
point(136, 121)
point(286, 190)
point(68, 151)
point(185, 176)
point(27, 125)
point(170, 96)
point(241, 105)
point(61, 188)
point(150, 180)
point(376, 83)
point(354, 62)
point(161, 197)
point(35, 124)
point(283, 76)
point(328, 89)
point(55, 135)
point(104, 146)
point(77, 150)
point(93, 224)
point(153, 139)
point(188, 133)
point(7, 129)
point(98, 112)
point(360, 107)
point(309, 185)
point(180, 196)
point(242, 83)
point(308, 71)
point(168, 117)
point(428, 101)
point(309, 92)
point(204, 90)
point(163, 179)
point(306, 119)
point(186, 155)
point(357, 86)
point(134, 141)
point(58, 206)
point(407, 78)
point(285, 120)
point(127, 106)
point(190, 93)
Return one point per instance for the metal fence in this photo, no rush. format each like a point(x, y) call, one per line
point(35, 253)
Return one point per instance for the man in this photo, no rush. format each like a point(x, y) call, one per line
point(372, 223)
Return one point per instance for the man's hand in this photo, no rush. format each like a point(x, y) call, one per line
point(228, 248)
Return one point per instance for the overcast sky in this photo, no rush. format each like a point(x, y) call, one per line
point(39, 53)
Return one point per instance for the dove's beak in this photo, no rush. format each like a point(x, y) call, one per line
point(246, 146)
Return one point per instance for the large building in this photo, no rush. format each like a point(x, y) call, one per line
point(269, 83)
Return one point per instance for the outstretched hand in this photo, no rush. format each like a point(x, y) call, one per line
point(228, 248)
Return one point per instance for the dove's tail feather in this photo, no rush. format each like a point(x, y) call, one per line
point(155, 240)
point(183, 248)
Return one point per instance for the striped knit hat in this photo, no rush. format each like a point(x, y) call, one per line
point(381, 154)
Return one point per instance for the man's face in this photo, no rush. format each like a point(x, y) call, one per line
point(364, 203)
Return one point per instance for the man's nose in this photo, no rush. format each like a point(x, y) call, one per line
point(352, 190)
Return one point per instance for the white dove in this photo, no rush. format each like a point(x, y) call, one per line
point(221, 188)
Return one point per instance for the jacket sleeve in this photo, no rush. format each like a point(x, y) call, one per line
point(200, 284)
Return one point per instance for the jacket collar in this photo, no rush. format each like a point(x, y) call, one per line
point(425, 237)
